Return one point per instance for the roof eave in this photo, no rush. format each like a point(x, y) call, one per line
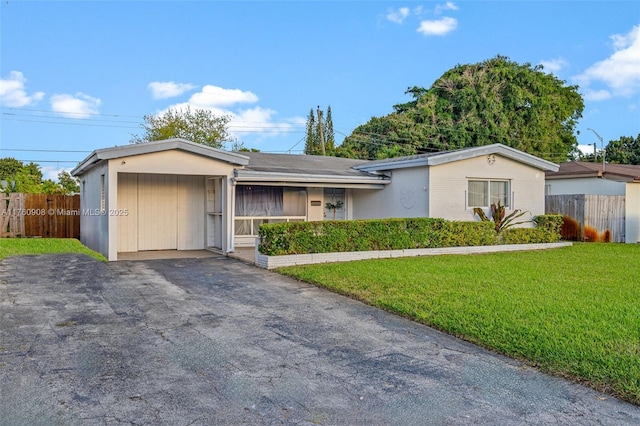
point(85, 164)
point(464, 154)
point(373, 168)
point(499, 149)
point(250, 176)
point(158, 146)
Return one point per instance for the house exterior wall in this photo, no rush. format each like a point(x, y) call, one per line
point(441, 190)
point(632, 213)
point(405, 196)
point(171, 163)
point(592, 185)
point(315, 212)
point(94, 224)
point(449, 186)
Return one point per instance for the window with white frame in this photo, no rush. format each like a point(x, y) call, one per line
point(484, 192)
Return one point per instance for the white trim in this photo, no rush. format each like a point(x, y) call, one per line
point(462, 154)
point(286, 179)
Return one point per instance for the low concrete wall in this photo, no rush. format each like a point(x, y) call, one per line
point(273, 262)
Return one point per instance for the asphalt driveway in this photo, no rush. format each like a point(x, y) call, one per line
point(216, 341)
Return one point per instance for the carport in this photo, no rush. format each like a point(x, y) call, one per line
point(170, 195)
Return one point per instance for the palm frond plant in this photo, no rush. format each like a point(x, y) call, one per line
point(500, 218)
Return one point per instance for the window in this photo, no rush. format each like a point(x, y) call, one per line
point(483, 193)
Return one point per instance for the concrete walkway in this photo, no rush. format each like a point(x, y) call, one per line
point(216, 341)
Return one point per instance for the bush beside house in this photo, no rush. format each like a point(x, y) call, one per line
point(397, 234)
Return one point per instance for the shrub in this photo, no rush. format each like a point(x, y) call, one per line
point(550, 222)
point(364, 235)
point(396, 234)
point(547, 230)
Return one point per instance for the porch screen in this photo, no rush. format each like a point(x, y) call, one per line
point(267, 204)
point(270, 201)
point(259, 201)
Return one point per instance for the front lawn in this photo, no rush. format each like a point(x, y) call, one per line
point(24, 246)
point(573, 311)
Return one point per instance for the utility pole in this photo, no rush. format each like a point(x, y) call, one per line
point(320, 131)
point(603, 150)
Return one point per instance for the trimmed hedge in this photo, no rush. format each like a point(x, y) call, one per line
point(550, 222)
point(395, 234)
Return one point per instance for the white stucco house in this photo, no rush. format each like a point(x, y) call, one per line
point(178, 195)
point(579, 177)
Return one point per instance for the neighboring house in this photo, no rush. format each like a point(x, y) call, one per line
point(592, 179)
point(178, 195)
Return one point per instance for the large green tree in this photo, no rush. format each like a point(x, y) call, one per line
point(625, 150)
point(318, 128)
point(197, 125)
point(494, 101)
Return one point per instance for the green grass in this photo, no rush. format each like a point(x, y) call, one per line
point(25, 246)
point(573, 312)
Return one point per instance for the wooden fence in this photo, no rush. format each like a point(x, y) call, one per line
point(40, 215)
point(11, 221)
point(595, 218)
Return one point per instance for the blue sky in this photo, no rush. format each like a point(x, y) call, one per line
point(77, 76)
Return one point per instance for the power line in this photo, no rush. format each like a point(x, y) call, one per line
point(41, 150)
point(50, 161)
point(274, 129)
point(70, 112)
point(70, 124)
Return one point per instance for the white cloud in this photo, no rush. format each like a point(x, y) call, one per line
point(168, 89)
point(447, 6)
point(398, 16)
point(553, 66)
point(261, 120)
point(13, 93)
point(620, 72)
point(256, 122)
point(75, 106)
point(51, 172)
point(438, 27)
point(214, 96)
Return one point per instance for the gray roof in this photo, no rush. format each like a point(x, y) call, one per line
point(307, 169)
point(444, 157)
point(303, 164)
